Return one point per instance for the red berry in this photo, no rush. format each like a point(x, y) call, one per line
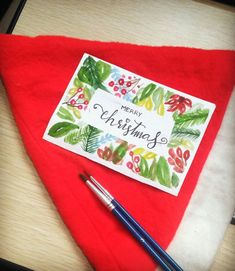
point(111, 83)
point(116, 88)
point(121, 81)
point(86, 102)
point(179, 152)
point(172, 153)
point(72, 102)
point(131, 153)
point(171, 161)
point(137, 169)
point(80, 107)
point(136, 159)
point(179, 163)
point(186, 155)
point(179, 170)
point(79, 89)
point(123, 91)
point(129, 77)
point(81, 96)
point(128, 84)
point(129, 165)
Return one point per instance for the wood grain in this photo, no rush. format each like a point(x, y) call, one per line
point(225, 258)
point(31, 231)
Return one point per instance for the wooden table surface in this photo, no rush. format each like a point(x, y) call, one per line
point(31, 231)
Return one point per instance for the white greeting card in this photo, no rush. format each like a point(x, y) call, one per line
point(138, 127)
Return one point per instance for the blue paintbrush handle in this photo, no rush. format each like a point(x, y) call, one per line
point(146, 236)
point(140, 238)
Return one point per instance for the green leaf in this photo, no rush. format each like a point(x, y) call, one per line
point(175, 142)
point(147, 91)
point(168, 95)
point(65, 114)
point(149, 155)
point(197, 117)
point(89, 138)
point(87, 93)
point(90, 74)
point(138, 151)
point(158, 96)
point(135, 100)
point(144, 170)
point(76, 112)
point(175, 180)
point(72, 137)
point(153, 170)
point(163, 172)
point(77, 83)
point(185, 132)
point(85, 75)
point(103, 70)
point(62, 128)
point(120, 152)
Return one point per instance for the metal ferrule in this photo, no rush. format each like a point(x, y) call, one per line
point(103, 198)
point(101, 188)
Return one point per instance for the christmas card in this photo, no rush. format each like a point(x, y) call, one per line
point(135, 126)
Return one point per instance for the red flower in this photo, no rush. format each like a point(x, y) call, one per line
point(179, 103)
point(178, 159)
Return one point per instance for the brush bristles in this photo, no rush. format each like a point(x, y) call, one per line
point(83, 177)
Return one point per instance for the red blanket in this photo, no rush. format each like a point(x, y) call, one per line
point(35, 73)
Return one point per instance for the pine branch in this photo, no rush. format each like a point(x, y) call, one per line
point(179, 132)
point(89, 138)
point(197, 117)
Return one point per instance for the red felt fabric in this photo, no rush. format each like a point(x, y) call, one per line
point(35, 73)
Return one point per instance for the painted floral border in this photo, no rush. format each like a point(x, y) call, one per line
point(188, 117)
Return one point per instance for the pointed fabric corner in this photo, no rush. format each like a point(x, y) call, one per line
point(35, 73)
